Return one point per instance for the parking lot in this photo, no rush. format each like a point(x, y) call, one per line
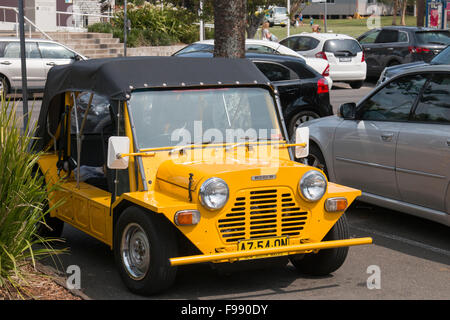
point(409, 259)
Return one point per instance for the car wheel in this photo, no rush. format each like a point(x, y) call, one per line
point(315, 158)
point(4, 87)
point(356, 84)
point(143, 244)
point(300, 118)
point(325, 261)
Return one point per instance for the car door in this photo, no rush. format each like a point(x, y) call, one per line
point(11, 65)
point(423, 148)
point(364, 149)
point(369, 46)
point(55, 54)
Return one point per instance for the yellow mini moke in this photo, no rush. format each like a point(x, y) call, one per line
point(174, 161)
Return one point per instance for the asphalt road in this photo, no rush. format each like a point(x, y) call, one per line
point(412, 256)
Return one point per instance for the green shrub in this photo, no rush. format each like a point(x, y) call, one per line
point(153, 25)
point(22, 200)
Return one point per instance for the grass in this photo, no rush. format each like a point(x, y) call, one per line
point(351, 27)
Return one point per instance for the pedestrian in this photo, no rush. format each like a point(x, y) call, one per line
point(265, 33)
point(301, 19)
point(311, 21)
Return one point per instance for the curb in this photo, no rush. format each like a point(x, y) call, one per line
point(57, 277)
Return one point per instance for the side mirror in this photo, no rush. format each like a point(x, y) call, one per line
point(348, 111)
point(116, 147)
point(302, 136)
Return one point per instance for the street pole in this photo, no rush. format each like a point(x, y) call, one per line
point(200, 12)
point(325, 18)
point(289, 15)
point(23, 66)
point(125, 26)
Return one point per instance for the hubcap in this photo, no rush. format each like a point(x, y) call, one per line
point(135, 251)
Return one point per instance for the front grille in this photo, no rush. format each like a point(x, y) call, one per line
point(262, 213)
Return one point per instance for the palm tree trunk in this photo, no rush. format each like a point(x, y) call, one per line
point(229, 28)
point(394, 16)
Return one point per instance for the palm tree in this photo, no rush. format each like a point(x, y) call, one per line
point(229, 28)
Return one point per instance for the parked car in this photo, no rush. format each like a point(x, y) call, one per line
point(394, 144)
point(441, 58)
point(304, 93)
point(160, 202)
point(343, 53)
point(41, 55)
point(389, 46)
point(269, 47)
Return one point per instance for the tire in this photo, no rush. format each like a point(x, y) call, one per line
point(53, 227)
point(300, 118)
point(4, 87)
point(356, 84)
point(316, 159)
point(147, 269)
point(326, 261)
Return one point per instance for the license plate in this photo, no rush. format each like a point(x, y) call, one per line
point(345, 59)
point(265, 243)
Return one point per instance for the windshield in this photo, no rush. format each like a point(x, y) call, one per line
point(183, 117)
point(443, 57)
point(433, 37)
point(280, 10)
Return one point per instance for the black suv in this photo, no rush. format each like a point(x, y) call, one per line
point(304, 93)
point(389, 46)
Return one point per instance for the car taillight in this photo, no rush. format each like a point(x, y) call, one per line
point(322, 86)
point(326, 72)
point(321, 55)
point(363, 58)
point(418, 49)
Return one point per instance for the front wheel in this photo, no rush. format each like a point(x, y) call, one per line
point(325, 261)
point(143, 244)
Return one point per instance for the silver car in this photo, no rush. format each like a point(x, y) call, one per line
point(394, 144)
point(40, 54)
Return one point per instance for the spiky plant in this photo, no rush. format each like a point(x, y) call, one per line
point(22, 200)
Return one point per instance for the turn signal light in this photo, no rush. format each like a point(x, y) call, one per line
point(336, 204)
point(187, 217)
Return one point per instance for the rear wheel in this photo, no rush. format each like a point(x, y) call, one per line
point(356, 84)
point(300, 118)
point(143, 244)
point(325, 261)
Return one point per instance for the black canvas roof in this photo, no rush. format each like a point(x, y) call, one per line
point(112, 77)
point(115, 78)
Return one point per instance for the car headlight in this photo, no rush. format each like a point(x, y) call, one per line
point(214, 193)
point(312, 185)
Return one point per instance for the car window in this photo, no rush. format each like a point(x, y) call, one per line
point(387, 36)
point(276, 72)
point(342, 45)
point(259, 49)
point(434, 104)
point(12, 50)
point(97, 117)
point(306, 43)
point(369, 37)
point(394, 101)
point(402, 36)
point(443, 57)
point(433, 37)
point(196, 47)
point(55, 51)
